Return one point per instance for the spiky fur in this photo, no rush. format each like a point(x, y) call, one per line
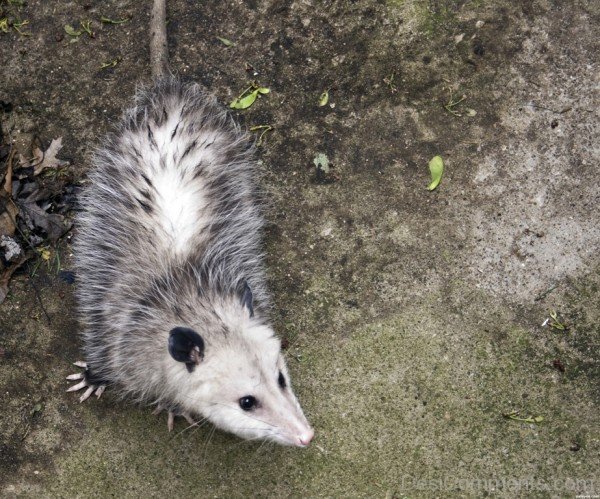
point(169, 232)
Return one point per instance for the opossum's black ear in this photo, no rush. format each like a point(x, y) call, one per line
point(186, 345)
point(247, 300)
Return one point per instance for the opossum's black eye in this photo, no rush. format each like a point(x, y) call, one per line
point(281, 380)
point(248, 403)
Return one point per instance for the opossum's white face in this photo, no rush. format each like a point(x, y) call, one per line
point(250, 394)
point(240, 382)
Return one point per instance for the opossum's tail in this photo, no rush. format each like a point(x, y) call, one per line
point(159, 52)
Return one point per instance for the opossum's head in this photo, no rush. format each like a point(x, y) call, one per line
point(237, 377)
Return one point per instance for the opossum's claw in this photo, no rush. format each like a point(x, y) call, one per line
point(189, 418)
point(171, 419)
point(87, 393)
point(172, 415)
point(84, 383)
point(158, 410)
point(98, 389)
point(78, 386)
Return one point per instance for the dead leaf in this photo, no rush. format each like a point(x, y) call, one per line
point(25, 202)
point(6, 274)
point(52, 224)
point(8, 210)
point(8, 216)
point(48, 159)
point(8, 176)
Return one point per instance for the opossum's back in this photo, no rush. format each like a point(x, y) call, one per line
point(172, 182)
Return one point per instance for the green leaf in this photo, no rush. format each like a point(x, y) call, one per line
point(71, 31)
point(436, 167)
point(110, 64)
point(87, 27)
point(45, 254)
point(556, 324)
point(324, 98)
point(36, 408)
point(263, 129)
point(17, 25)
point(248, 96)
point(321, 161)
point(225, 41)
point(244, 102)
point(108, 20)
point(514, 415)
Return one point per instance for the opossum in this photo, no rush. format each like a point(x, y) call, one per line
point(171, 281)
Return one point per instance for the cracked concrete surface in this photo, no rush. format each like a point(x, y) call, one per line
point(414, 318)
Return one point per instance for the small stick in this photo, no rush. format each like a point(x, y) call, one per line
point(159, 56)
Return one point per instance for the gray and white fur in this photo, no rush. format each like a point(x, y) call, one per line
point(171, 283)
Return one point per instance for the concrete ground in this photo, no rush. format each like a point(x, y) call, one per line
point(414, 318)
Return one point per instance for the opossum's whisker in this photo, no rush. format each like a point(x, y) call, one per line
point(200, 422)
point(260, 446)
point(248, 415)
point(288, 350)
point(246, 440)
point(197, 428)
point(196, 425)
point(210, 435)
point(264, 438)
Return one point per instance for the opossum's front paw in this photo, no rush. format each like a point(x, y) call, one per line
point(97, 388)
point(172, 415)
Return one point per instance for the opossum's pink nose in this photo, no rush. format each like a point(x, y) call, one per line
point(306, 437)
